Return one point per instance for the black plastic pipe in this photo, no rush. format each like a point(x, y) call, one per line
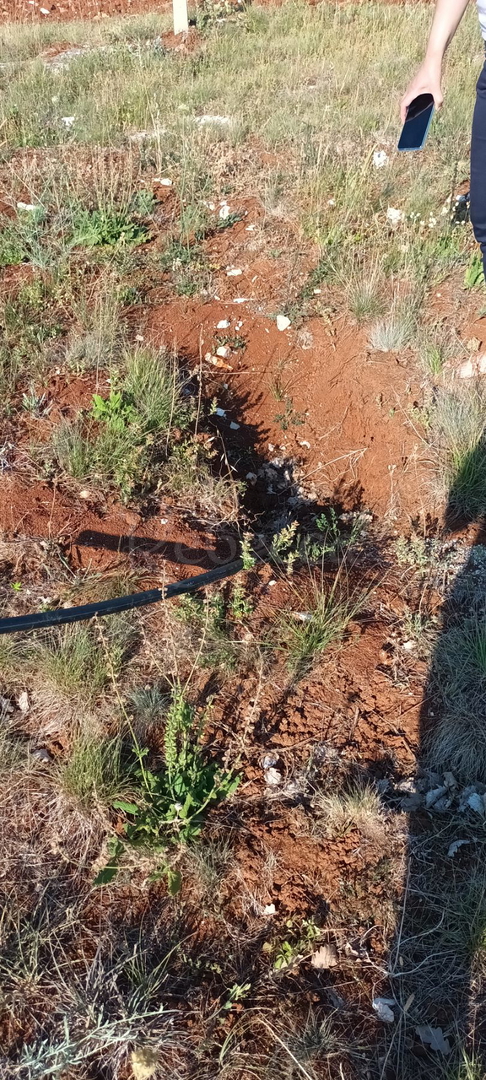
point(40, 619)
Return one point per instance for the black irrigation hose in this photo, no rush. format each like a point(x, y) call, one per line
point(60, 616)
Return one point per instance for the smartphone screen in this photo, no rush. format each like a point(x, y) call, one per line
point(416, 126)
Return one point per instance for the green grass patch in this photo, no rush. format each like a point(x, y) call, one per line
point(457, 435)
point(124, 437)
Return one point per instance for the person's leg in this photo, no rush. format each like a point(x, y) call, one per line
point(478, 166)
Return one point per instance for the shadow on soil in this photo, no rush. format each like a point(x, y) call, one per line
point(437, 965)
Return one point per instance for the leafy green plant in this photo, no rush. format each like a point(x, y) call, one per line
point(284, 546)
point(300, 936)
point(116, 411)
point(474, 274)
point(106, 228)
point(236, 993)
point(334, 535)
point(176, 799)
point(289, 417)
point(239, 605)
point(246, 554)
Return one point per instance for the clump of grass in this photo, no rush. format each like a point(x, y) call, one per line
point(21, 239)
point(147, 706)
point(93, 772)
point(189, 478)
point(469, 1068)
point(74, 661)
point(458, 425)
point(98, 340)
point(306, 634)
point(71, 449)
point(364, 292)
point(458, 676)
point(462, 933)
point(358, 808)
point(125, 436)
point(29, 323)
point(311, 1047)
point(210, 862)
point(435, 349)
point(11, 756)
point(154, 386)
point(395, 331)
point(92, 1005)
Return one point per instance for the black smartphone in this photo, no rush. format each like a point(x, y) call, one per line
point(416, 126)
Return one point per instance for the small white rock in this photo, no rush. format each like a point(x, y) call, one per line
point(432, 796)
point(207, 119)
point(234, 271)
point(165, 181)
point(380, 159)
point(68, 121)
point(224, 212)
point(24, 704)
point(223, 324)
point(475, 802)
point(44, 11)
point(42, 755)
point(382, 1009)
point(273, 777)
point(250, 228)
point(325, 957)
point(269, 909)
point(84, 494)
point(164, 521)
point(456, 844)
point(27, 206)
point(468, 369)
point(283, 322)
point(223, 351)
point(393, 215)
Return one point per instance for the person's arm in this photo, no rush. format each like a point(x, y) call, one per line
point(448, 14)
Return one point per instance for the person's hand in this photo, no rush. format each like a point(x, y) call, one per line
point(426, 81)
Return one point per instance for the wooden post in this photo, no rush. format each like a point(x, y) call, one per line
point(181, 21)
